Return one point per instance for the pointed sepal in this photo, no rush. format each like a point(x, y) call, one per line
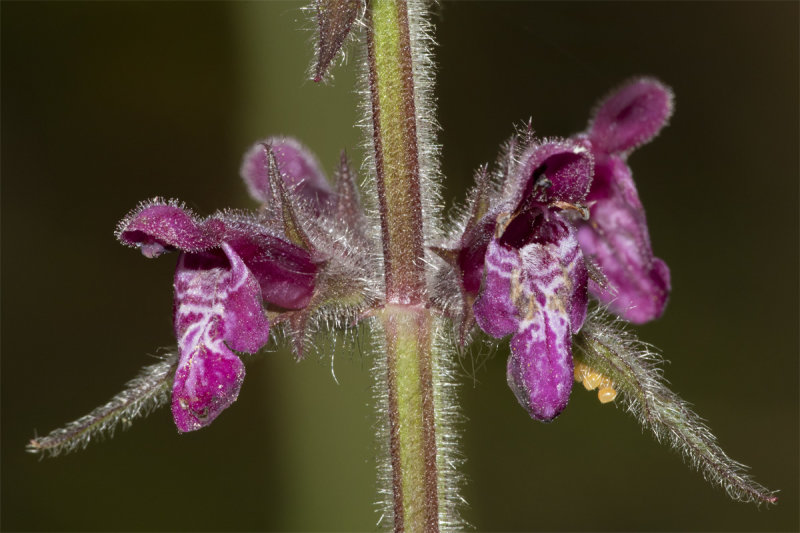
point(296, 165)
point(292, 227)
point(348, 203)
point(335, 19)
point(479, 201)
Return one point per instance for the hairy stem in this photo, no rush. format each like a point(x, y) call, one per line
point(394, 124)
point(409, 352)
point(407, 323)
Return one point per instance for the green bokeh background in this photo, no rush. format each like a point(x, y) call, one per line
point(107, 104)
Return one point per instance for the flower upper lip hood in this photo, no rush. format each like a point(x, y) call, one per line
point(284, 270)
point(535, 280)
point(616, 235)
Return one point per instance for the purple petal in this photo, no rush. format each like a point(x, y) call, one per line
point(525, 273)
point(217, 305)
point(539, 291)
point(631, 115)
point(157, 226)
point(554, 286)
point(298, 167)
point(285, 271)
point(638, 283)
point(555, 275)
point(539, 369)
point(566, 164)
point(617, 239)
point(334, 19)
point(495, 309)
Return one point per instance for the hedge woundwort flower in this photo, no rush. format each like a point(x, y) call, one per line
point(555, 221)
point(232, 262)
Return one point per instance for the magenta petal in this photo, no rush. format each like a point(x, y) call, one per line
point(566, 164)
point(298, 168)
point(616, 236)
point(555, 277)
point(617, 239)
point(217, 305)
point(538, 291)
point(631, 115)
point(495, 310)
point(540, 366)
point(284, 271)
point(554, 286)
point(156, 226)
point(574, 291)
point(206, 383)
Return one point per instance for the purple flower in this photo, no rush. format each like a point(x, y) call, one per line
point(616, 235)
point(230, 265)
point(535, 280)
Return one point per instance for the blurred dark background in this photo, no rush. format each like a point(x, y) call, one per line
point(107, 104)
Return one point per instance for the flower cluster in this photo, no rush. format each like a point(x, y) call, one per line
point(557, 221)
point(521, 258)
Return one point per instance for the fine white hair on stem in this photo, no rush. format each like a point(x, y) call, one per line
point(141, 396)
point(449, 420)
point(380, 393)
point(605, 345)
point(422, 43)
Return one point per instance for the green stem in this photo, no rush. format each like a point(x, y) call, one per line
point(408, 325)
point(413, 450)
point(394, 123)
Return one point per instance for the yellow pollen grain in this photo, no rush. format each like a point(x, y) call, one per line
point(592, 380)
point(606, 394)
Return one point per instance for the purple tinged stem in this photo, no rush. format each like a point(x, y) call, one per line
point(407, 324)
point(396, 155)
